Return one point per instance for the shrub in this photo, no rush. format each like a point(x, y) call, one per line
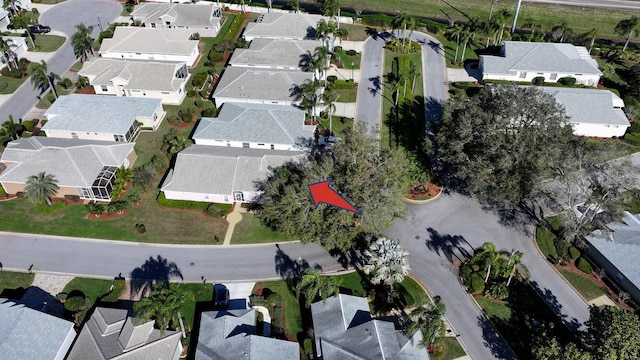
point(477, 283)
point(538, 80)
point(377, 20)
point(583, 265)
point(562, 248)
point(215, 56)
point(74, 302)
point(332, 78)
point(209, 112)
point(160, 163)
point(28, 124)
point(96, 208)
point(351, 52)
point(199, 79)
point(3, 192)
point(74, 198)
point(140, 228)
point(173, 119)
point(574, 252)
point(192, 92)
point(42, 122)
point(498, 291)
point(132, 196)
point(26, 134)
point(187, 114)
point(142, 178)
point(214, 210)
point(82, 81)
point(43, 208)
point(568, 81)
point(195, 36)
point(51, 98)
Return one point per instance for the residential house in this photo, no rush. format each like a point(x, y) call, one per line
point(201, 18)
point(4, 18)
point(230, 335)
point(114, 334)
point(161, 80)
point(223, 174)
point(101, 117)
point(259, 86)
point(82, 167)
point(30, 334)
point(617, 250)
point(591, 112)
point(344, 330)
point(523, 61)
point(18, 47)
point(275, 54)
point(256, 126)
point(139, 43)
point(283, 26)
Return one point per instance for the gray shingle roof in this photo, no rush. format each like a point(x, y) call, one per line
point(270, 52)
point(196, 15)
point(282, 25)
point(541, 57)
point(133, 39)
point(344, 330)
point(231, 335)
point(589, 105)
point(259, 84)
point(223, 170)
point(74, 163)
point(140, 75)
point(110, 333)
point(29, 334)
point(102, 114)
point(621, 246)
point(260, 123)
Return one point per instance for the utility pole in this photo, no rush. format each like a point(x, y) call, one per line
point(515, 17)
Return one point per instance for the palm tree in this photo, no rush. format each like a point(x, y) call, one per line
point(593, 33)
point(328, 97)
point(493, 3)
point(627, 28)
point(515, 266)
point(308, 91)
point(12, 6)
point(325, 31)
point(404, 22)
point(295, 5)
point(163, 305)
point(387, 261)
point(82, 42)
point(10, 130)
point(455, 31)
point(561, 29)
point(312, 286)
point(428, 319)
point(22, 21)
point(41, 187)
point(466, 35)
point(535, 27)
point(40, 78)
point(321, 57)
point(8, 56)
point(503, 15)
point(490, 256)
point(124, 175)
point(178, 144)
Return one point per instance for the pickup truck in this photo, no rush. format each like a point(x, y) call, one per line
point(39, 29)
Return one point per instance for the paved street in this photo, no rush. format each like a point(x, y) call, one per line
point(62, 17)
point(370, 89)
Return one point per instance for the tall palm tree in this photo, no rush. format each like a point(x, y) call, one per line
point(321, 57)
point(593, 33)
point(163, 304)
point(493, 3)
point(503, 15)
point(490, 256)
point(328, 97)
point(466, 35)
point(12, 6)
point(404, 22)
point(40, 78)
point(8, 56)
point(387, 261)
point(627, 28)
point(515, 266)
point(295, 5)
point(10, 130)
point(22, 21)
point(309, 92)
point(427, 318)
point(562, 29)
point(312, 286)
point(454, 32)
point(535, 27)
point(325, 31)
point(82, 42)
point(41, 187)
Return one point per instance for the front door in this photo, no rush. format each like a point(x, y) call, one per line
point(238, 196)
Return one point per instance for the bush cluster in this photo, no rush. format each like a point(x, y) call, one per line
point(74, 198)
point(583, 265)
point(140, 228)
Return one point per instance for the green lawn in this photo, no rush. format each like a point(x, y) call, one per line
point(12, 84)
point(355, 32)
point(545, 238)
point(92, 288)
point(453, 350)
point(251, 231)
point(340, 125)
point(412, 292)
point(77, 66)
point(47, 43)
point(345, 63)
point(450, 51)
point(290, 306)
point(13, 281)
point(587, 288)
point(347, 95)
point(202, 293)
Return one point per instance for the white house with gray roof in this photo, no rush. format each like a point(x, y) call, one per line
point(230, 335)
point(222, 174)
point(27, 334)
point(114, 334)
point(139, 43)
point(17, 45)
point(275, 54)
point(283, 26)
point(82, 167)
point(139, 79)
point(256, 126)
point(591, 112)
point(618, 250)
point(344, 330)
point(205, 19)
point(523, 61)
point(101, 117)
point(259, 86)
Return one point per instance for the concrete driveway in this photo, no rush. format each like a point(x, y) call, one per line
point(62, 17)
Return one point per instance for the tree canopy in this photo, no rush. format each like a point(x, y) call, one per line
point(500, 143)
point(372, 179)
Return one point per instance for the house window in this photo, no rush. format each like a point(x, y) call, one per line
point(260, 144)
point(153, 25)
point(74, 135)
point(168, 22)
point(523, 75)
point(272, 147)
point(238, 196)
point(245, 145)
point(118, 138)
point(553, 76)
point(104, 88)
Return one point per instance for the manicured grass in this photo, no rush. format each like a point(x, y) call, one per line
point(494, 309)
point(356, 32)
point(587, 288)
point(251, 231)
point(12, 84)
point(10, 280)
point(44, 102)
point(345, 61)
point(352, 283)
point(77, 66)
point(450, 51)
point(202, 293)
point(634, 206)
point(290, 305)
point(545, 238)
point(92, 288)
point(416, 294)
point(339, 127)
point(453, 350)
point(47, 43)
point(347, 95)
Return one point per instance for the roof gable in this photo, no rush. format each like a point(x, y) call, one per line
point(138, 75)
point(133, 39)
point(283, 25)
point(194, 15)
point(271, 52)
point(266, 84)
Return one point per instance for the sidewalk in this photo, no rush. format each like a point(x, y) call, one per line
point(234, 217)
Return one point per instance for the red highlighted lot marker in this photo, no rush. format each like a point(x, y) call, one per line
point(322, 193)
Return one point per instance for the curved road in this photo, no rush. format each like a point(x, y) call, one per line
point(62, 17)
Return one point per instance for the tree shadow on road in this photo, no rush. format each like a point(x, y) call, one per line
point(153, 271)
point(552, 301)
point(493, 341)
point(453, 247)
point(290, 269)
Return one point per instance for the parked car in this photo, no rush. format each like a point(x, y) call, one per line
point(327, 140)
point(39, 29)
point(221, 296)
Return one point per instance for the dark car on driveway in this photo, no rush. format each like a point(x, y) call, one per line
point(39, 29)
point(221, 296)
